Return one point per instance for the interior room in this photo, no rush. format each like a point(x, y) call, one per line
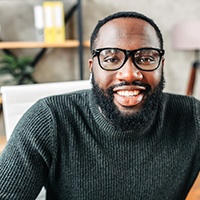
point(69, 61)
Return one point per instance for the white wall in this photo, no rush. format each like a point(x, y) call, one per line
point(16, 18)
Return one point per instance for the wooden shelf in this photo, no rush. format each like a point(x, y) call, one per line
point(33, 44)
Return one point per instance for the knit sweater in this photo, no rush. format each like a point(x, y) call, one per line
point(64, 143)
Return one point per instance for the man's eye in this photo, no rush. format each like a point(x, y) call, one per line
point(145, 60)
point(111, 59)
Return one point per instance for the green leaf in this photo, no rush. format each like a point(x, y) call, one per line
point(19, 68)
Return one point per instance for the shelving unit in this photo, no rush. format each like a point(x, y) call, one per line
point(33, 44)
point(79, 43)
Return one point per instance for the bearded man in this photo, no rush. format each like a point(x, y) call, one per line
point(124, 139)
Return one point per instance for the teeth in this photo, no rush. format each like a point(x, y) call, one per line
point(127, 93)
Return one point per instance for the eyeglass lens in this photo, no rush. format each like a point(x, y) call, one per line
point(144, 59)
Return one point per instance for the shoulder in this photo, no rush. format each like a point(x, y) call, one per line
point(181, 103)
point(67, 100)
point(181, 99)
point(76, 96)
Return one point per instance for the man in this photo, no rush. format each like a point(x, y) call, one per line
point(125, 139)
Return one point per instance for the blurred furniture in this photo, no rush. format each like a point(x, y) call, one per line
point(17, 99)
point(79, 43)
point(186, 36)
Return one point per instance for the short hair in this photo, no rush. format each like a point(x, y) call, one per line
point(124, 14)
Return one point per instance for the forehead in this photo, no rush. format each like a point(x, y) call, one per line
point(127, 33)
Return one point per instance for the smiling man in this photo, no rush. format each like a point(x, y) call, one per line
point(123, 140)
point(127, 69)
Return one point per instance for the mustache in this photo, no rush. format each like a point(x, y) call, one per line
point(134, 83)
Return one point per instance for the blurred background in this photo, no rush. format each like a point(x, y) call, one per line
point(62, 64)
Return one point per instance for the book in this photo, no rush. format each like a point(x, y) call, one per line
point(59, 21)
point(54, 26)
point(39, 23)
point(49, 30)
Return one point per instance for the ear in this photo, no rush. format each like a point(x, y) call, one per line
point(163, 62)
point(90, 64)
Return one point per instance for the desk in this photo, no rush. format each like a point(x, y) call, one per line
point(2, 142)
point(194, 193)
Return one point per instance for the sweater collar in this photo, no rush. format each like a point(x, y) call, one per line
point(107, 126)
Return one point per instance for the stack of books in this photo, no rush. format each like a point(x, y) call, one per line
point(49, 22)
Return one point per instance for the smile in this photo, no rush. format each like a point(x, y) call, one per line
point(127, 93)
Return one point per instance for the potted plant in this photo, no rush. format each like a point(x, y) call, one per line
point(19, 69)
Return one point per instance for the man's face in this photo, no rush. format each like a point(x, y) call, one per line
point(128, 86)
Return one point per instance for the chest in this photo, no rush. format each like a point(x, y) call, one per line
point(125, 167)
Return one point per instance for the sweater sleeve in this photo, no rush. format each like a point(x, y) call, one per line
point(25, 162)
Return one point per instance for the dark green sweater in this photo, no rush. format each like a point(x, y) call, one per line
point(64, 143)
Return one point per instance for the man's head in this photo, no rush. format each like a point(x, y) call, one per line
point(127, 66)
point(134, 15)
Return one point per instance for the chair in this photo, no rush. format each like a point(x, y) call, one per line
point(17, 99)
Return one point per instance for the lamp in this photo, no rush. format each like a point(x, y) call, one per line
point(186, 36)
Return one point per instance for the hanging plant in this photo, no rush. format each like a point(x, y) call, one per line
point(20, 69)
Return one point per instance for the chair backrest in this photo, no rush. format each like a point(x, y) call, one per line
point(17, 99)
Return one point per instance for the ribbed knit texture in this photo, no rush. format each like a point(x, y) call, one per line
point(64, 143)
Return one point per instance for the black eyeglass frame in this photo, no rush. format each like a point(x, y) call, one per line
point(128, 53)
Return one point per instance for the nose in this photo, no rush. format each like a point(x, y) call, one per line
point(129, 72)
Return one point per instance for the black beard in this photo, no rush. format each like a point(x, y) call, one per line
point(120, 120)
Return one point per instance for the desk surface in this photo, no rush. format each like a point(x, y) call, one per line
point(2, 142)
point(194, 193)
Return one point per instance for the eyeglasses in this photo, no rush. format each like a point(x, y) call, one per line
point(146, 59)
